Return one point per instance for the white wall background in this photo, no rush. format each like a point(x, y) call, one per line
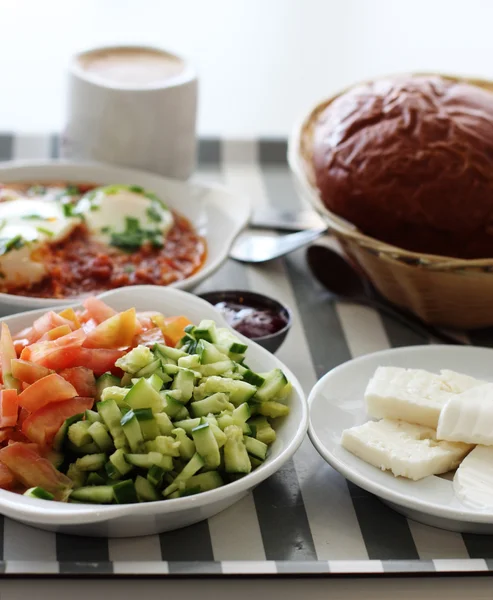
point(261, 61)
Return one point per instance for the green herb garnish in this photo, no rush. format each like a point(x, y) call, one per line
point(33, 217)
point(105, 229)
point(134, 237)
point(47, 232)
point(72, 190)
point(68, 209)
point(129, 268)
point(153, 213)
point(136, 188)
point(8, 244)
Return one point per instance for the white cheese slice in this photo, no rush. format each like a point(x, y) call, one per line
point(473, 481)
point(405, 449)
point(468, 417)
point(413, 395)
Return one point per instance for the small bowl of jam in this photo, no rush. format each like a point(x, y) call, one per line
point(259, 318)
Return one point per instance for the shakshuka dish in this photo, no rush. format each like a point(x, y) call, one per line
point(60, 240)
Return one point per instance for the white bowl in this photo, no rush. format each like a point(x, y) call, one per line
point(156, 517)
point(337, 402)
point(217, 213)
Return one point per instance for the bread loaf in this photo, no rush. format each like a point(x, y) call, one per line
point(409, 161)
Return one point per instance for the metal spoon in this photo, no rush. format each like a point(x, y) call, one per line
point(251, 248)
point(336, 275)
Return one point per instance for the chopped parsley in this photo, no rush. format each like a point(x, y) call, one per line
point(33, 217)
point(68, 209)
point(8, 244)
point(136, 188)
point(134, 237)
point(153, 213)
point(72, 190)
point(47, 232)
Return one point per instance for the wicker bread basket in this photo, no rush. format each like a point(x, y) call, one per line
point(441, 290)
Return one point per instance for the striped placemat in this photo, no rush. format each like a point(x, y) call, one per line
point(306, 519)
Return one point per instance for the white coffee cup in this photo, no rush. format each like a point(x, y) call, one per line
point(132, 106)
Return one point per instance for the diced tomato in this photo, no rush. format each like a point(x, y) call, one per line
point(47, 322)
point(42, 425)
point(56, 333)
point(17, 436)
point(5, 434)
point(55, 354)
point(98, 360)
point(69, 314)
point(98, 310)
point(150, 337)
point(82, 379)
point(28, 371)
point(173, 328)
point(116, 332)
point(32, 470)
point(6, 477)
point(89, 325)
point(145, 319)
point(7, 353)
point(23, 414)
point(9, 408)
point(20, 344)
point(51, 388)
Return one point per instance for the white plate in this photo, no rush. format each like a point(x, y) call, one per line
point(156, 517)
point(337, 402)
point(217, 213)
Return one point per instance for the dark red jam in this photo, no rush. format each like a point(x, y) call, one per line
point(250, 321)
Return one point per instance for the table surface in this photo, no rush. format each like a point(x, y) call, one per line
point(305, 513)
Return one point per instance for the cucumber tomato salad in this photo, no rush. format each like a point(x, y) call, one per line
point(104, 407)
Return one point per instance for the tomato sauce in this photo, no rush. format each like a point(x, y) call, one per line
point(81, 264)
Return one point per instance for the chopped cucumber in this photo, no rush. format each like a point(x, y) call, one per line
point(171, 406)
point(209, 354)
point(273, 409)
point(115, 393)
point(40, 493)
point(213, 404)
point(239, 391)
point(78, 433)
point(77, 476)
point(147, 422)
point(61, 435)
point(263, 429)
point(94, 478)
point(164, 423)
point(99, 494)
point(149, 369)
point(205, 481)
point(272, 386)
point(206, 330)
point(206, 445)
point(164, 444)
point(111, 415)
point(170, 353)
point(105, 381)
point(92, 416)
point(190, 361)
point(144, 461)
point(255, 447)
point(124, 492)
point(229, 343)
point(55, 458)
point(131, 429)
point(236, 459)
point(187, 446)
point(253, 378)
point(117, 459)
point(184, 381)
point(256, 462)
point(143, 395)
point(155, 475)
point(145, 490)
point(218, 368)
point(135, 360)
point(192, 466)
point(100, 435)
point(188, 424)
point(91, 462)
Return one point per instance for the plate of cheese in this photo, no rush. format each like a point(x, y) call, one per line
point(414, 426)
